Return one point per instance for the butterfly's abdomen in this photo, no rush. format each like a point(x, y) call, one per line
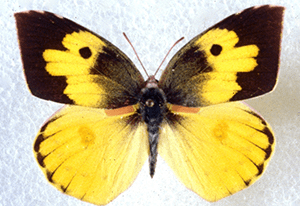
point(152, 108)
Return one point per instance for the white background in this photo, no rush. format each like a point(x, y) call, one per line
point(152, 26)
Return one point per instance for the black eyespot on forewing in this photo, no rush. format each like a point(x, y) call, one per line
point(216, 49)
point(85, 52)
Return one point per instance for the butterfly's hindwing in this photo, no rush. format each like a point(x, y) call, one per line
point(217, 151)
point(86, 153)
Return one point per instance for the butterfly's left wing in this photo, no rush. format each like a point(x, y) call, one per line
point(216, 150)
point(234, 60)
point(92, 154)
point(65, 62)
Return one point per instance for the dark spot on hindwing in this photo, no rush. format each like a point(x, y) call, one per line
point(49, 176)
point(36, 146)
point(40, 159)
point(64, 189)
point(260, 169)
point(247, 182)
point(85, 52)
point(216, 49)
point(268, 152)
point(269, 134)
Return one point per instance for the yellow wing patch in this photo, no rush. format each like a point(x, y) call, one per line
point(76, 64)
point(86, 154)
point(71, 62)
point(80, 88)
point(218, 151)
point(226, 61)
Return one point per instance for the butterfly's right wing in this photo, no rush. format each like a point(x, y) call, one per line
point(92, 154)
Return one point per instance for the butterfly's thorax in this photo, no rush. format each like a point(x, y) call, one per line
point(152, 107)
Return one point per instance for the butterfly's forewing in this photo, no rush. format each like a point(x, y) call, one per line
point(90, 155)
point(234, 60)
point(217, 151)
point(66, 63)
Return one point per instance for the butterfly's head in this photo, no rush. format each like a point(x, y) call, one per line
point(151, 82)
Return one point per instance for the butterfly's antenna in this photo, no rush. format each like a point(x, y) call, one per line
point(168, 54)
point(136, 53)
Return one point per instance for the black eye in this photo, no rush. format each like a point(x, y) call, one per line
point(85, 52)
point(216, 49)
point(149, 103)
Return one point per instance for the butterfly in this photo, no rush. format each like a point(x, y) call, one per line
point(95, 146)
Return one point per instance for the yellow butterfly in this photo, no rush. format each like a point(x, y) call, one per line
point(94, 148)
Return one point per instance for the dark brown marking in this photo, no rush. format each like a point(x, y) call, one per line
point(36, 146)
point(268, 152)
point(247, 182)
point(49, 176)
point(216, 49)
point(85, 52)
point(260, 169)
point(40, 159)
